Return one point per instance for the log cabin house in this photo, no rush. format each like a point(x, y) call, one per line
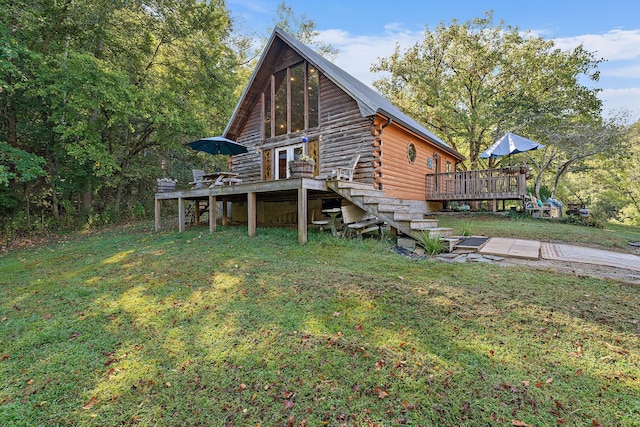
point(297, 102)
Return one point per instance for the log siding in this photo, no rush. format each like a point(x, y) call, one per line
point(397, 175)
point(342, 133)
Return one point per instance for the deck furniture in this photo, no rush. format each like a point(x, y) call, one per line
point(321, 222)
point(358, 221)
point(221, 178)
point(536, 208)
point(201, 179)
point(343, 172)
point(232, 180)
point(333, 218)
point(346, 172)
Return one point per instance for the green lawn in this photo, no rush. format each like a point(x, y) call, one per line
point(611, 236)
point(130, 327)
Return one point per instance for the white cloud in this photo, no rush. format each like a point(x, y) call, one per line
point(613, 45)
point(358, 53)
point(252, 5)
point(622, 99)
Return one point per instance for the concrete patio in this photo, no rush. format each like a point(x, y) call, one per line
point(533, 250)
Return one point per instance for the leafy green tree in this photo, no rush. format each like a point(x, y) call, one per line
point(471, 82)
point(609, 182)
point(569, 146)
point(99, 89)
point(18, 165)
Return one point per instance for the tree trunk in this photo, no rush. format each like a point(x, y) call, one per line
point(87, 200)
point(55, 205)
point(123, 167)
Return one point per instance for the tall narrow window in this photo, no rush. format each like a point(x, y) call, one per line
point(291, 101)
point(280, 86)
point(312, 97)
point(297, 98)
point(267, 112)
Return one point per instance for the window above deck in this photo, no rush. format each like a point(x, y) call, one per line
point(290, 100)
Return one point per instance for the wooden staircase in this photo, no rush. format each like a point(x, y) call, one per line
point(396, 212)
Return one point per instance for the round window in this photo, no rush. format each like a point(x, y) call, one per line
point(411, 152)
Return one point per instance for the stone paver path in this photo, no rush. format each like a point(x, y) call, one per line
point(515, 248)
point(561, 252)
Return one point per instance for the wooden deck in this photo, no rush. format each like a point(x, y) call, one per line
point(487, 184)
point(286, 189)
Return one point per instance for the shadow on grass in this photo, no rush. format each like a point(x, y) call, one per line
point(200, 329)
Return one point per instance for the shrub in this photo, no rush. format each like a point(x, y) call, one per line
point(431, 245)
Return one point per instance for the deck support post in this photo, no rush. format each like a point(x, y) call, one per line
point(197, 212)
point(224, 211)
point(251, 213)
point(302, 215)
point(181, 215)
point(213, 205)
point(157, 215)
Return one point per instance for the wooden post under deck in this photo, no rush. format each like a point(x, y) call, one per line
point(181, 215)
point(251, 213)
point(302, 215)
point(157, 215)
point(213, 205)
point(224, 211)
point(197, 213)
point(291, 188)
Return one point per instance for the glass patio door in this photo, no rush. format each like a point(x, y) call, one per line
point(284, 156)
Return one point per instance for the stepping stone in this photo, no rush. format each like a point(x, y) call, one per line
point(482, 260)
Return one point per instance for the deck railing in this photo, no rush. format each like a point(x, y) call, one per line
point(487, 184)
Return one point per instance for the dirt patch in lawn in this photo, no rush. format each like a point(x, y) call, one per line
point(579, 269)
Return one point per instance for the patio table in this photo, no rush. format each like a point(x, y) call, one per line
point(333, 215)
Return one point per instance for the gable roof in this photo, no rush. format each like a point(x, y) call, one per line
point(369, 101)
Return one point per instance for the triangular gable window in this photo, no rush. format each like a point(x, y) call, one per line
point(291, 100)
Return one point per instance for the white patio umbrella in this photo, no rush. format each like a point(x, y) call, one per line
point(510, 143)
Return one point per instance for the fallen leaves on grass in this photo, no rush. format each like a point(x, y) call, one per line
point(90, 403)
point(381, 393)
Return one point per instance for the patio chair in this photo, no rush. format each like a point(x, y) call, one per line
point(343, 172)
point(348, 171)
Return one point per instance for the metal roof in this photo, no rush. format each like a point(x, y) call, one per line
point(369, 101)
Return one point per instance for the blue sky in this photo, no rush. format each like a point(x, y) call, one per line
point(367, 30)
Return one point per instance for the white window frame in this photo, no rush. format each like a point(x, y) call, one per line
point(291, 153)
